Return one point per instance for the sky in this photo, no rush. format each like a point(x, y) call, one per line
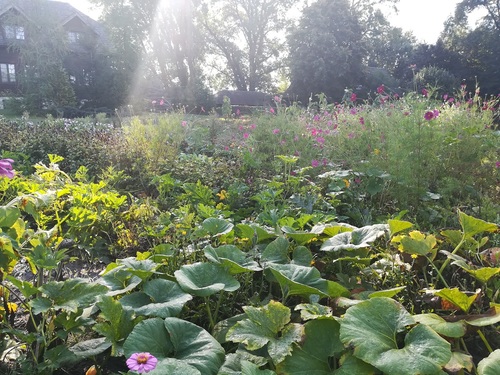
point(424, 18)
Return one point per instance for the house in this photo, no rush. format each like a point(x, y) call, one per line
point(243, 101)
point(84, 36)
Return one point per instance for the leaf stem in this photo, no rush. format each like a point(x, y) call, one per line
point(485, 340)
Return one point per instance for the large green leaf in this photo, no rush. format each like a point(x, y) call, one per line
point(72, 294)
point(441, 326)
point(216, 226)
point(248, 368)
point(119, 280)
point(313, 357)
point(492, 316)
point(205, 279)
point(8, 216)
point(160, 298)
point(472, 226)
point(183, 342)
point(172, 366)
point(300, 237)
point(305, 281)
point(350, 365)
point(490, 365)
point(356, 239)
point(276, 252)
point(114, 323)
point(373, 328)
point(457, 297)
point(90, 348)
point(254, 232)
point(268, 325)
point(396, 226)
point(231, 258)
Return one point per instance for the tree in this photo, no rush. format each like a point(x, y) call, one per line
point(326, 51)
point(245, 40)
point(478, 48)
point(161, 34)
point(490, 20)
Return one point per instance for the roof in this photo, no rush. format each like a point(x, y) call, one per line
point(63, 12)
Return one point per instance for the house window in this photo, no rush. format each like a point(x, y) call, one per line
point(7, 73)
point(74, 36)
point(14, 32)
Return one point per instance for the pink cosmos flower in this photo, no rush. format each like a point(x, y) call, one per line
point(6, 168)
point(271, 110)
point(314, 163)
point(276, 131)
point(436, 113)
point(497, 164)
point(253, 126)
point(184, 123)
point(354, 97)
point(141, 362)
point(320, 140)
point(277, 99)
point(362, 120)
point(246, 135)
point(381, 89)
point(425, 92)
point(429, 115)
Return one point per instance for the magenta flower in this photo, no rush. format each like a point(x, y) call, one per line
point(425, 92)
point(184, 123)
point(246, 135)
point(253, 126)
point(6, 168)
point(354, 97)
point(271, 110)
point(314, 163)
point(277, 99)
point(497, 164)
point(276, 131)
point(320, 140)
point(381, 89)
point(436, 113)
point(362, 120)
point(141, 362)
point(429, 115)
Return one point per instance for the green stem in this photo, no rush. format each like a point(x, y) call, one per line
point(217, 307)
point(485, 341)
point(439, 272)
point(209, 313)
point(447, 261)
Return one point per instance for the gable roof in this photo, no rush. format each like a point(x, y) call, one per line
point(63, 13)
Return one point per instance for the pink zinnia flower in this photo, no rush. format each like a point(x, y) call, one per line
point(6, 168)
point(141, 362)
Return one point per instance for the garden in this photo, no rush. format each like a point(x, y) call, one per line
point(359, 237)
